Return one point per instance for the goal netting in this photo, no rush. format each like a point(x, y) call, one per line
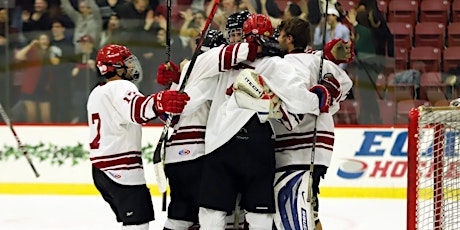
point(433, 179)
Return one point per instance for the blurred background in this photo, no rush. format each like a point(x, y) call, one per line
point(407, 51)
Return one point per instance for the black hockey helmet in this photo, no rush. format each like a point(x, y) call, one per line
point(235, 22)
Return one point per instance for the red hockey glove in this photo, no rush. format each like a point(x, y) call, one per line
point(323, 96)
point(339, 51)
point(168, 73)
point(170, 101)
point(332, 85)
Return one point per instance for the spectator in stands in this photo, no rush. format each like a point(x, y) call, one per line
point(108, 8)
point(191, 28)
point(87, 20)
point(111, 33)
point(61, 84)
point(343, 18)
point(314, 17)
point(291, 10)
point(334, 29)
point(133, 15)
point(84, 77)
point(267, 7)
point(226, 8)
point(8, 41)
point(136, 23)
point(36, 89)
point(366, 67)
point(383, 39)
point(36, 21)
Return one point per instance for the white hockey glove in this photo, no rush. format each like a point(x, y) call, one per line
point(252, 93)
point(455, 102)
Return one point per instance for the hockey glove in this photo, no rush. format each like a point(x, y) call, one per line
point(170, 101)
point(324, 97)
point(168, 73)
point(270, 48)
point(164, 117)
point(332, 85)
point(339, 51)
point(455, 102)
point(252, 93)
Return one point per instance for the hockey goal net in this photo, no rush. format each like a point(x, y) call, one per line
point(433, 180)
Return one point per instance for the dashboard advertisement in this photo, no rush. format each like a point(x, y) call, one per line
point(367, 161)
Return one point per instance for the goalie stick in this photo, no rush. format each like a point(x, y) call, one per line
point(315, 131)
point(157, 157)
point(21, 147)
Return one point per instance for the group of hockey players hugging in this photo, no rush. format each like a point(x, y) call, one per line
point(255, 108)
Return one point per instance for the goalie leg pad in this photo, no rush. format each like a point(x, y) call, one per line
point(292, 209)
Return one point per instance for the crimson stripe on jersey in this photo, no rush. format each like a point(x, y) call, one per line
point(307, 146)
point(188, 135)
point(220, 59)
point(304, 134)
point(115, 155)
point(228, 56)
point(125, 168)
point(289, 142)
point(129, 160)
point(144, 107)
point(252, 54)
point(192, 127)
point(137, 106)
point(185, 143)
point(236, 54)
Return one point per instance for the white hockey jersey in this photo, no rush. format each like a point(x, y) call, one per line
point(187, 140)
point(115, 112)
point(293, 147)
point(226, 118)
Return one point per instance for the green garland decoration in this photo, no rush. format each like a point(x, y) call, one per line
point(57, 155)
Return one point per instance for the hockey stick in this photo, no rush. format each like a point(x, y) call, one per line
point(168, 59)
point(168, 31)
point(157, 158)
point(313, 148)
point(21, 147)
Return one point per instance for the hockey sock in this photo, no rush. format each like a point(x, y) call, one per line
point(259, 221)
point(177, 224)
point(136, 227)
point(211, 219)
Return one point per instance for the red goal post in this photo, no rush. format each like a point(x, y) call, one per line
point(433, 180)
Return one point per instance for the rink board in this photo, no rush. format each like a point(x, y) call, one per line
point(368, 162)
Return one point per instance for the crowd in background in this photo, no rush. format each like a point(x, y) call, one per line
point(48, 48)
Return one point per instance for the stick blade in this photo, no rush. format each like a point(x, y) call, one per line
point(160, 177)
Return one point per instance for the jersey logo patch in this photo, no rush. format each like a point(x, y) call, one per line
point(184, 152)
point(118, 176)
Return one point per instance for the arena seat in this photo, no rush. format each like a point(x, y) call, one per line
point(429, 56)
point(435, 11)
point(430, 34)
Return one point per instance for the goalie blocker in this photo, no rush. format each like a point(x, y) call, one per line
point(252, 93)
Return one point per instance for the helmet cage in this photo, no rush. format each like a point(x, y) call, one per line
point(133, 68)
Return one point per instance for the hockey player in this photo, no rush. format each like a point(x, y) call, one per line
point(116, 111)
point(185, 148)
point(294, 146)
point(234, 26)
point(239, 143)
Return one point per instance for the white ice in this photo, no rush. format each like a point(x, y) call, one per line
point(43, 212)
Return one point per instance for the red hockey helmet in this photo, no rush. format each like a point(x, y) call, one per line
point(258, 24)
point(111, 57)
